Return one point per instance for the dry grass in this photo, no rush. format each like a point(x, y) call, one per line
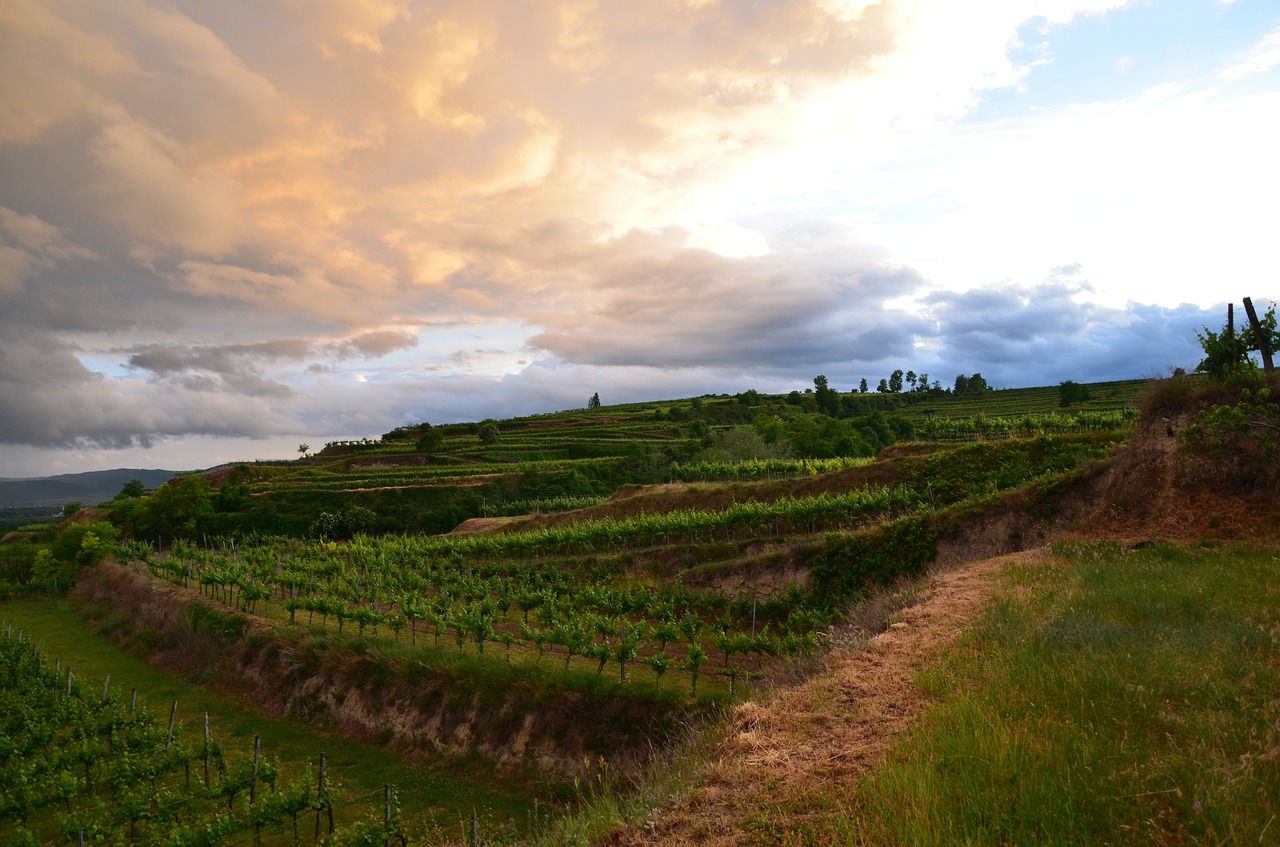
point(814, 740)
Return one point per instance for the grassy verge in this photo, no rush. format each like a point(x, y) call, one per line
point(437, 802)
point(1120, 697)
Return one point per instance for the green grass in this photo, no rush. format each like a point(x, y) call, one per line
point(435, 800)
point(1131, 700)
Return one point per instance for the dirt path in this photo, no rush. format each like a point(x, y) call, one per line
point(828, 731)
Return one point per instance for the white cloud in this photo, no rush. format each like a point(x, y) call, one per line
point(1161, 198)
point(258, 208)
point(1262, 57)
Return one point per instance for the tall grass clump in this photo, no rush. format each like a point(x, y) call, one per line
point(1120, 697)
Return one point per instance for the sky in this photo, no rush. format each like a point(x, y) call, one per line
point(228, 229)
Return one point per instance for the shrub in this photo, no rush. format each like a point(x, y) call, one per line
point(1241, 439)
point(85, 544)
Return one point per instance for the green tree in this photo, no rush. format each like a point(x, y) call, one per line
point(1225, 353)
point(488, 432)
point(827, 399)
point(693, 662)
point(594, 402)
point(344, 524)
point(895, 381)
point(862, 386)
point(430, 439)
point(132, 490)
point(744, 442)
point(1070, 392)
point(84, 543)
point(234, 497)
point(771, 428)
point(304, 449)
point(178, 506)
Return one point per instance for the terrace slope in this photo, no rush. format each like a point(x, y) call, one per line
point(840, 723)
point(366, 695)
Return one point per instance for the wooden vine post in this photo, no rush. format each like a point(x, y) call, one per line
point(253, 789)
point(206, 750)
point(1264, 345)
point(386, 812)
point(1231, 337)
point(173, 716)
point(257, 753)
point(323, 805)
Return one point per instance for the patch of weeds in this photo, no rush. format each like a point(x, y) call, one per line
point(1111, 697)
point(202, 676)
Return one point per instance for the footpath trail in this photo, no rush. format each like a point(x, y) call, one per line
point(817, 738)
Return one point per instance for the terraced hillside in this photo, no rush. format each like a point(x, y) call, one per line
point(425, 479)
point(597, 583)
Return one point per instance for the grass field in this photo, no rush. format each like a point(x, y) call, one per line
point(1113, 696)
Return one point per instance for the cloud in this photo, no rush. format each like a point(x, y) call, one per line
point(658, 305)
point(212, 216)
point(1039, 335)
point(374, 344)
point(51, 70)
point(1261, 57)
point(51, 399)
point(29, 245)
point(238, 368)
point(162, 197)
point(231, 370)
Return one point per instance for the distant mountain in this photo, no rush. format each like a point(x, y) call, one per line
point(90, 488)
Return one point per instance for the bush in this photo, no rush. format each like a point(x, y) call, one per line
point(85, 544)
point(846, 565)
point(342, 525)
point(1240, 439)
point(1071, 392)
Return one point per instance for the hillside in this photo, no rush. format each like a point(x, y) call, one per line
point(431, 479)
point(90, 487)
point(838, 729)
point(605, 580)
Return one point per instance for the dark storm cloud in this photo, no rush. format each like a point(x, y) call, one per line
point(165, 359)
point(659, 306)
point(50, 398)
point(237, 368)
point(1040, 335)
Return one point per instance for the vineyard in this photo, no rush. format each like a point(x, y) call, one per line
point(578, 592)
point(425, 479)
point(80, 764)
point(593, 581)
